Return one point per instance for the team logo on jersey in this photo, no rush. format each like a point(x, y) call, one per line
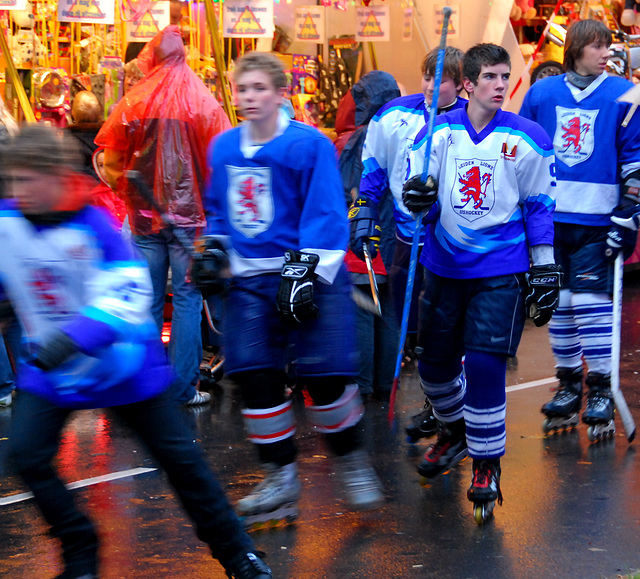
point(573, 139)
point(250, 199)
point(47, 289)
point(473, 194)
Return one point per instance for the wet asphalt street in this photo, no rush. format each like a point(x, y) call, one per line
point(571, 509)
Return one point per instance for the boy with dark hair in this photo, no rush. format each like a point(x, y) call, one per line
point(489, 203)
point(598, 174)
point(385, 155)
point(276, 209)
point(84, 299)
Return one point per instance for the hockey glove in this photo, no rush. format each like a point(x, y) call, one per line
point(418, 197)
point(209, 265)
point(58, 348)
point(365, 227)
point(544, 283)
point(623, 234)
point(295, 296)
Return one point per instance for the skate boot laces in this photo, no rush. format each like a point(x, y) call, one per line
point(279, 486)
point(486, 480)
point(598, 398)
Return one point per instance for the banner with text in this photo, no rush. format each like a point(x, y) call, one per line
point(309, 24)
point(155, 18)
point(372, 23)
point(247, 19)
point(87, 11)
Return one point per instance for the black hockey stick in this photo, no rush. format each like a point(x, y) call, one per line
point(138, 181)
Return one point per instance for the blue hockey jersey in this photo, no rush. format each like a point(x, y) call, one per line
point(592, 149)
point(284, 194)
point(495, 194)
point(385, 155)
point(81, 278)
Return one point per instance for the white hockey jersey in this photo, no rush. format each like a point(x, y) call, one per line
point(385, 155)
point(495, 194)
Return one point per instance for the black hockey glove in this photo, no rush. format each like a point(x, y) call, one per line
point(544, 283)
point(623, 234)
point(365, 227)
point(55, 351)
point(208, 266)
point(418, 197)
point(295, 296)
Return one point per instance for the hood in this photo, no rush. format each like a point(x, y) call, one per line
point(371, 92)
point(165, 47)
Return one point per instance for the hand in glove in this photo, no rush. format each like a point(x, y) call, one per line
point(364, 227)
point(418, 197)
point(58, 348)
point(209, 266)
point(295, 295)
point(544, 283)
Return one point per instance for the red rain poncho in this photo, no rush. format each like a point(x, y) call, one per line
point(162, 128)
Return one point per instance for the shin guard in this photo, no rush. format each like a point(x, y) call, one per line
point(346, 411)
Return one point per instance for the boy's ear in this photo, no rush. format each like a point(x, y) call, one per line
point(468, 85)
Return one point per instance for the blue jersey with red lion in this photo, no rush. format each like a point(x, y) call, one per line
point(592, 148)
point(285, 194)
point(495, 194)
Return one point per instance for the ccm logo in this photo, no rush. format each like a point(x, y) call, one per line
point(294, 272)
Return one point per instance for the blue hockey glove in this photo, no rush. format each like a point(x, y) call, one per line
point(55, 351)
point(418, 197)
point(623, 234)
point(209, 265)
point(364, 227)
point(544, 283)
point(295, 295)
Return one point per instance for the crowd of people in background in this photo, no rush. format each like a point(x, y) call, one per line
point(516, 216)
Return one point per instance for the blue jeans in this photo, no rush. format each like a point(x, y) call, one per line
point(163, 251)
point(6, 373)
point(162, 427)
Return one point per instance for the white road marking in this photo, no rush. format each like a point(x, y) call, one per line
point(532, 384)
point(11, 499)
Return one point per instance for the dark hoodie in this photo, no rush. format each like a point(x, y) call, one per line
point(370, 94)
point(374, 90)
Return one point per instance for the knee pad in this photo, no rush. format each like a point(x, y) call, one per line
point(269, 425)
point(345, 412)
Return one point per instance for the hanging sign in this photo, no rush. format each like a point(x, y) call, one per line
point(309, 24)
point(154, 19)
point(13, 4)
point(407, 24)
point(87, 11)
point(248, 19)
point(372, 23)
point(454, 21)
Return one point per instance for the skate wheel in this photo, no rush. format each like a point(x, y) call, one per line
point(424, 482)
point(546, 428)
point(592, 435)
point(482, 512)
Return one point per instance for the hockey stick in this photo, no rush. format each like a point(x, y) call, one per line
point(138, 181)
point(413, 260)
point(372, 279)
point(618, 397)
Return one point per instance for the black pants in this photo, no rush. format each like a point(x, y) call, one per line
point(34, 442)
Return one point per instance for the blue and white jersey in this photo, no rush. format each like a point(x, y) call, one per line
point(81, 278)
point(592, 148)
point(495, 194)
point(262, 200)
point(385, 155)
